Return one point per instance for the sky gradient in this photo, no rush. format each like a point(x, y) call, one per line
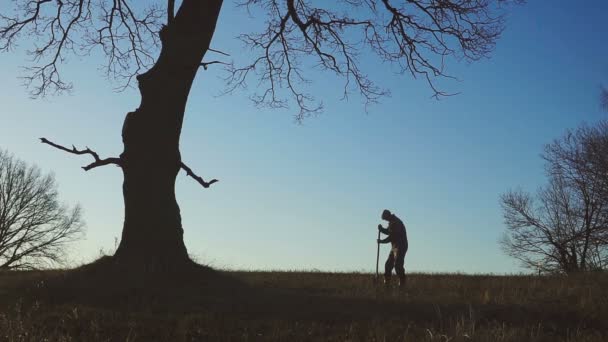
point(310, 196)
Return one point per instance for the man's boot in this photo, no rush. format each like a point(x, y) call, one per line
point(387, 282)
point(402, 282)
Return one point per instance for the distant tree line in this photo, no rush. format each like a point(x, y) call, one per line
point(564, 226)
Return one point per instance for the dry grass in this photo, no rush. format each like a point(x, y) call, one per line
point(301, 306)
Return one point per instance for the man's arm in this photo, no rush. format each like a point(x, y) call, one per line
point(386, 240)
point(383, 230)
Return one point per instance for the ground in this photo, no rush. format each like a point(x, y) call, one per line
point(209, 305)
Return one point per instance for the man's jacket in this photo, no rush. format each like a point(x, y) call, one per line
point(396, 233)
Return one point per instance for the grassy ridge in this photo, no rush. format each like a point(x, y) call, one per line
point(310, 306)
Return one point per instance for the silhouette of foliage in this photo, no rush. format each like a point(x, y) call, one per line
point(34, 226)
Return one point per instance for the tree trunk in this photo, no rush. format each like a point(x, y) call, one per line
point(152, 235)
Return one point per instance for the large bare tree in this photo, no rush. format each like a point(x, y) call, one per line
point(34, 227)
point(162, 44)
point(566, 228)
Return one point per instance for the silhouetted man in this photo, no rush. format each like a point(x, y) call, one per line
point(398, 239)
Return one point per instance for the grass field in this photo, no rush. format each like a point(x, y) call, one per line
point(301, 306)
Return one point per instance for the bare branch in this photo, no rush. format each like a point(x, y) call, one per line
point(98, 161)
point(127, 35)
point(199, 179)
point(218, 51)
point(205, 65)
point(417, 36)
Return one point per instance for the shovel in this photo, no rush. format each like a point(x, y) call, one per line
point(377, 256)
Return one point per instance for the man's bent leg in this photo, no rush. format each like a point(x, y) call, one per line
point(388, 268)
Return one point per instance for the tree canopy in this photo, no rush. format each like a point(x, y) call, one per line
point(416, 36)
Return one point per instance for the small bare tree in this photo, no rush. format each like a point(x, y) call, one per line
point(565, 228)
point(34, 226)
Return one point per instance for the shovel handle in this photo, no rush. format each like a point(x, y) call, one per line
point(377, 254)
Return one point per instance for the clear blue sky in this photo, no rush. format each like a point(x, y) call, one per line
point(310, 196)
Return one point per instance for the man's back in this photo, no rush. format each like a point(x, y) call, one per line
point(397, 232)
